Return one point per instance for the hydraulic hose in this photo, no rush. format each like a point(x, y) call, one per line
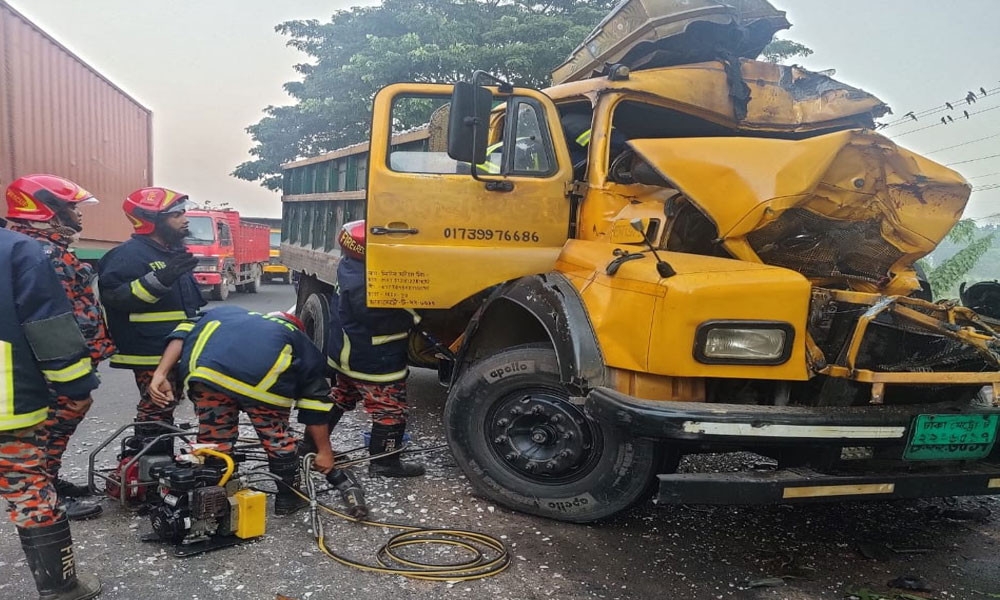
point(485, 555)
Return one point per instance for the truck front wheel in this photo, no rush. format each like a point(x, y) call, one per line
point(523, 444)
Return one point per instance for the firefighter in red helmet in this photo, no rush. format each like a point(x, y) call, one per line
point(148, 288)
point(367, 350)
point(47, 208)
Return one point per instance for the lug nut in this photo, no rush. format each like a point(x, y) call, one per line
point(555, 418)
point(503, 422)
point(500, 439)
point(511, 456)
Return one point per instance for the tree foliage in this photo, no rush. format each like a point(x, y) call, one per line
point(779, 50)
point(944, 279)
point(365, 48)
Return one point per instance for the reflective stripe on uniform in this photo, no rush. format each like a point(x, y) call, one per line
point(12, 421)
point(378, 340)
point(6, 380)
point(489, 166)
point(199, 345)
point(142, 293)
point(135, 360)
point(584, 138)
point(235, 385)
point(345, 367)
point(416, 318)
point(306, 404)
point(75, 371)
point(280, 365)
point(185, 327)
point(156, 317)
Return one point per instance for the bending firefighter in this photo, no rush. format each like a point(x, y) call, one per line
point(148, 288)
point(40, 348)
point(367, 348)
point(46, 208)
point(234, 360)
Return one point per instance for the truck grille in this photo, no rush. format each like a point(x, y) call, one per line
point(820, 247)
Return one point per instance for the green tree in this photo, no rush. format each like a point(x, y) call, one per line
point(944, 278)
point(779, 50)
point(363, 49)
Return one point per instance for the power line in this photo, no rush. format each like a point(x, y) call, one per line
point(913, 115)
point(984, 176)
point(985, 188)
point(962, 162)
point(938, 124)
point(964, 143)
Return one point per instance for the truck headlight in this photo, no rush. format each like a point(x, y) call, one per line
point(207, 265)
point(744, 342)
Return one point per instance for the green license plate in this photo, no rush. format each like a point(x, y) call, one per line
point(951, 437)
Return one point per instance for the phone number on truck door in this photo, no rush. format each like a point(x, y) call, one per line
point(499, 235)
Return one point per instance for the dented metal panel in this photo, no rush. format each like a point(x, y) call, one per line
point(849, 205)
point(658, 33)
point(59, 115)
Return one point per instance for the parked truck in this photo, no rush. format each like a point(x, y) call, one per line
point(230, 251)
point(729, 269)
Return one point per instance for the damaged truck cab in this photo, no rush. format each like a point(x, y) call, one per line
point(723, 262)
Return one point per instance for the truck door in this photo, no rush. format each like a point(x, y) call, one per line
point(435, 234)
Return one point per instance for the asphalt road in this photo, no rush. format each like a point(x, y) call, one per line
point(779, 552)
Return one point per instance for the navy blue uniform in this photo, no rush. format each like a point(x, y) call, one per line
point(234, 360)
point(40, 346)
point(141, 311)
point(367, 348)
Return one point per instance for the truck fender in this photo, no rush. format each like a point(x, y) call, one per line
point(539, 308)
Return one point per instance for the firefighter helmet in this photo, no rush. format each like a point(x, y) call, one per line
point(41, 197)
point(146, 206)
point(288, 318)
point(352, 239)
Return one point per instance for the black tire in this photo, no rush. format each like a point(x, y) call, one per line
point(511, 406)
point(253, 286)
point(315, 313)
point(221, 291)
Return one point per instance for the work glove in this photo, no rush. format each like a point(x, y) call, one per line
point(175, 267)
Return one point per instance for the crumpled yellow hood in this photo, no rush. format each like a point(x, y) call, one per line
point(850, 204)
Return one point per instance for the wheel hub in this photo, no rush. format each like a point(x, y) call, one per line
point(542, 436)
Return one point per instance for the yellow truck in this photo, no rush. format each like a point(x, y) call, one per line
point(728, 268)
point(275, 269)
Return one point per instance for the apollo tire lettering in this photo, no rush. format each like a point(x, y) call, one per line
point(519, 367)
point(571, 505)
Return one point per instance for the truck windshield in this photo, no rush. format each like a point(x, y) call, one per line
point(275, 239)
point(201, 230)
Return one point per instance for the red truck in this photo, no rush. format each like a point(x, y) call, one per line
point(230, 251)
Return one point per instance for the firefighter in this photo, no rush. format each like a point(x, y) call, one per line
point(41, 347)
point(148, 288)
point(367, 349)
point(46, 208)
point(280, 369)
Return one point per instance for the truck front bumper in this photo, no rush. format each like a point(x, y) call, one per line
point(724, 427)
point(208, 279)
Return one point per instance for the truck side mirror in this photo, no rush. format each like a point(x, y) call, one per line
point(468, 123)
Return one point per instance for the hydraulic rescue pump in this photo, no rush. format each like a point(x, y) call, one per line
point(202, 509)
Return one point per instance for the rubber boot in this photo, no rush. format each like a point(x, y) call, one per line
point(49, 552)
point(67, 489)
point(78, 510)
point(386, 438)
point(286, 467)
point(147, 433)
point(306, 445)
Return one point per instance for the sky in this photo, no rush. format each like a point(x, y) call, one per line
point(207, 68)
